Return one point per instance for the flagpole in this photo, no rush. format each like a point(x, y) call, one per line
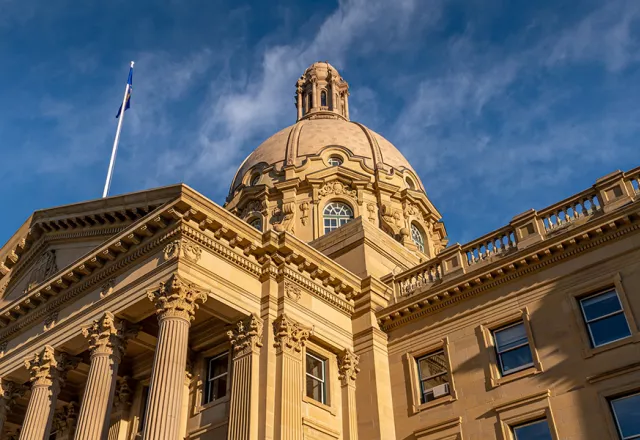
point(107, 184)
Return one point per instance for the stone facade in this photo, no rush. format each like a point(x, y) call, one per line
point(161, 315)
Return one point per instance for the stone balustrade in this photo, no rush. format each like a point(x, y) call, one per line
point(498, 242)
point(579, 206)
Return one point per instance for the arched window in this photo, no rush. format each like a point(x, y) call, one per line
point(323, 98)
point(336, 214)
point(417, 237)
point(410, 183)
point(254, 180)
point(335, 161)
point(256, 223)
point(309, 102)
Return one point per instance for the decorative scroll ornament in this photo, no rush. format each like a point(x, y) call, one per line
point(337, 188)
point(10, 392)
point(253, 206)
point(108, 335)
point(46, 366)
point(177, 298)
point(107, 288)
point(283, 218)
point(247, 337)
point(391, 221)
point(65, 419)
point(122, 397)
point(304, 213)
point(371, 209)
point(42, 269)
point(292, 291)
point(51, 320)
point(348, 367)
point(411, 209)
point(290, 336)
point(185, 248)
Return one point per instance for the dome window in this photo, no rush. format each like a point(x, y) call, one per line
point(254, 180)
point(323, 98)
point(336, 214)
point(410, 183)
point(309, 102)
point(335, 161)
point(417, 236)
point(256, 223)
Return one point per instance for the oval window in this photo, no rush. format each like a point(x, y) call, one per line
point(335, 161)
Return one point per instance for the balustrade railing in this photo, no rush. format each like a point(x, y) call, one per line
point(579, 206)
point(495, 243)
point(422, 275)
point(633, 177)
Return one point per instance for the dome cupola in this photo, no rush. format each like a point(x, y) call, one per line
point(321, 90)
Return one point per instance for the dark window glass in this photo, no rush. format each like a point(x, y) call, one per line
point(626, 411)
point(323, 98)
point(512, 347)
point(257, 223)
point(316, 378)
point(143, 407)
point(605, 318)
point(538, 430)
point(217, 377)
point(434, 377)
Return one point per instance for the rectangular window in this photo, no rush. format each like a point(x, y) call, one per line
point(605, 318)
point(512, 348)
point(217, 376)
point(538, 430)
point(434, 376)
point(626, 412)
point(316, 378)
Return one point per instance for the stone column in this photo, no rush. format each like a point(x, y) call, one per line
point(299, 103)
point(314, 92)
point(64, 421)
point(346, 104)
point(121, 407)
point(246, 340)
point(48, 370)
point(290, 337)
point(107, 341)
point(176, 304)
point(9, 392)
point(348, 370)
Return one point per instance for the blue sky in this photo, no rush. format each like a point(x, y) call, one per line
point(499, 105)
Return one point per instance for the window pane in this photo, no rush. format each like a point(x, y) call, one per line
point(517, 358)
point(510, 337)
point(534, 431)
point(218, 366)
point(601, 305)
point(432, 365)
point(609, 329)
point(315, 389)
point(627, 413)
point(218, 388)
point(315, 367)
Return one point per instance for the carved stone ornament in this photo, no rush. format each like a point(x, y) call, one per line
point(123, 394)
point(108, 335)
point(391, 220)
point(51, 320)
point(283, 218)
point(371, 209)
point(177, 298)
point(348, 367)
point(304, 213)
point(337, 188)
point(107, 288)
point(65, 419)
point(412, 210)
point(48, 365)
point(3, 347)
point(247, 336)
point(44, 267)
point(10, 392)
point(184, 248)
point(290, 336)
point(292, 291)
point(253, 206)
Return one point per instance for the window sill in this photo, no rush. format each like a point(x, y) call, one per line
point(320, 405)
point(209, 405)
point(498, 381)
point(588, 352)
point(434, 403)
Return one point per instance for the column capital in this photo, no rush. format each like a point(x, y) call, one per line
point(348, 367)
point(176, 298)
point(65, 419)
point(290, 336)
point(123, 393)
point(108, 335)
point(247, 337)
point(10, 391)
point(48, 366)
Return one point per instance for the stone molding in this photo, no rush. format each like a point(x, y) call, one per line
point(108, 335)
point(176, 298)
point(183, 248)
point(47, 366)
point(290, 336)
point(247, 336)
point(348, 367)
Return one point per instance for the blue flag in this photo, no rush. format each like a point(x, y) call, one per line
point(129, 90)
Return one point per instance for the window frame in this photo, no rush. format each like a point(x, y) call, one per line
point(420, 232)
point(500, 352)
point(254, 220)
point(330, 372)
point(528, 423)
point(338, 218)
point(322, 380)
point(614, 416)
point(588, 322)
point(208, 381)
point(421, 381)
point(323, 93)
point(525, 410)
point(336, 158)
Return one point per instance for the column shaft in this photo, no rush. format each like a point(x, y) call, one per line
point(289, 423)
point(98, 398)
point(349, 415)
point(37, 420)
point(167, 380)
point(243, 414)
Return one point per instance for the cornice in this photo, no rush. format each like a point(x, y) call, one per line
point(333, 300)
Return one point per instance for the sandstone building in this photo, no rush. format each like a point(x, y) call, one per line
point(323, 302)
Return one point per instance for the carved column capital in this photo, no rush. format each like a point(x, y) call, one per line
point(177, 298)
point(247, 336)
point(348, 367)
point(108, 335)
point(123, 393)
point(10, 391)
point(48, 366)
point(65, 419)
point(290, 336)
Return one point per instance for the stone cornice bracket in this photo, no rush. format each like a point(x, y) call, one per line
point(177, 298)
point(290, 336)
point(348, 367)
point(109, 335)
point(48, 365)
point(10, 391)
point(247, 336)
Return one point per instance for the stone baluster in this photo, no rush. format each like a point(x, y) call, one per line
point(64, 421)
point(290, 337)
point(246, 340)
point(121, 407)
point(107, 341)
point(348, 370)
point(176, 303)
point(48, 370)
point(9, 392)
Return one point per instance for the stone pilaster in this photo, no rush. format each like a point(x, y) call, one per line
point(246, 340)
point(176, 303)
point(9, 392)
point(121, 407)
point(290, 337)
point(64, 421)
point(107, 341)
point(348, 370)
point(48, 370)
